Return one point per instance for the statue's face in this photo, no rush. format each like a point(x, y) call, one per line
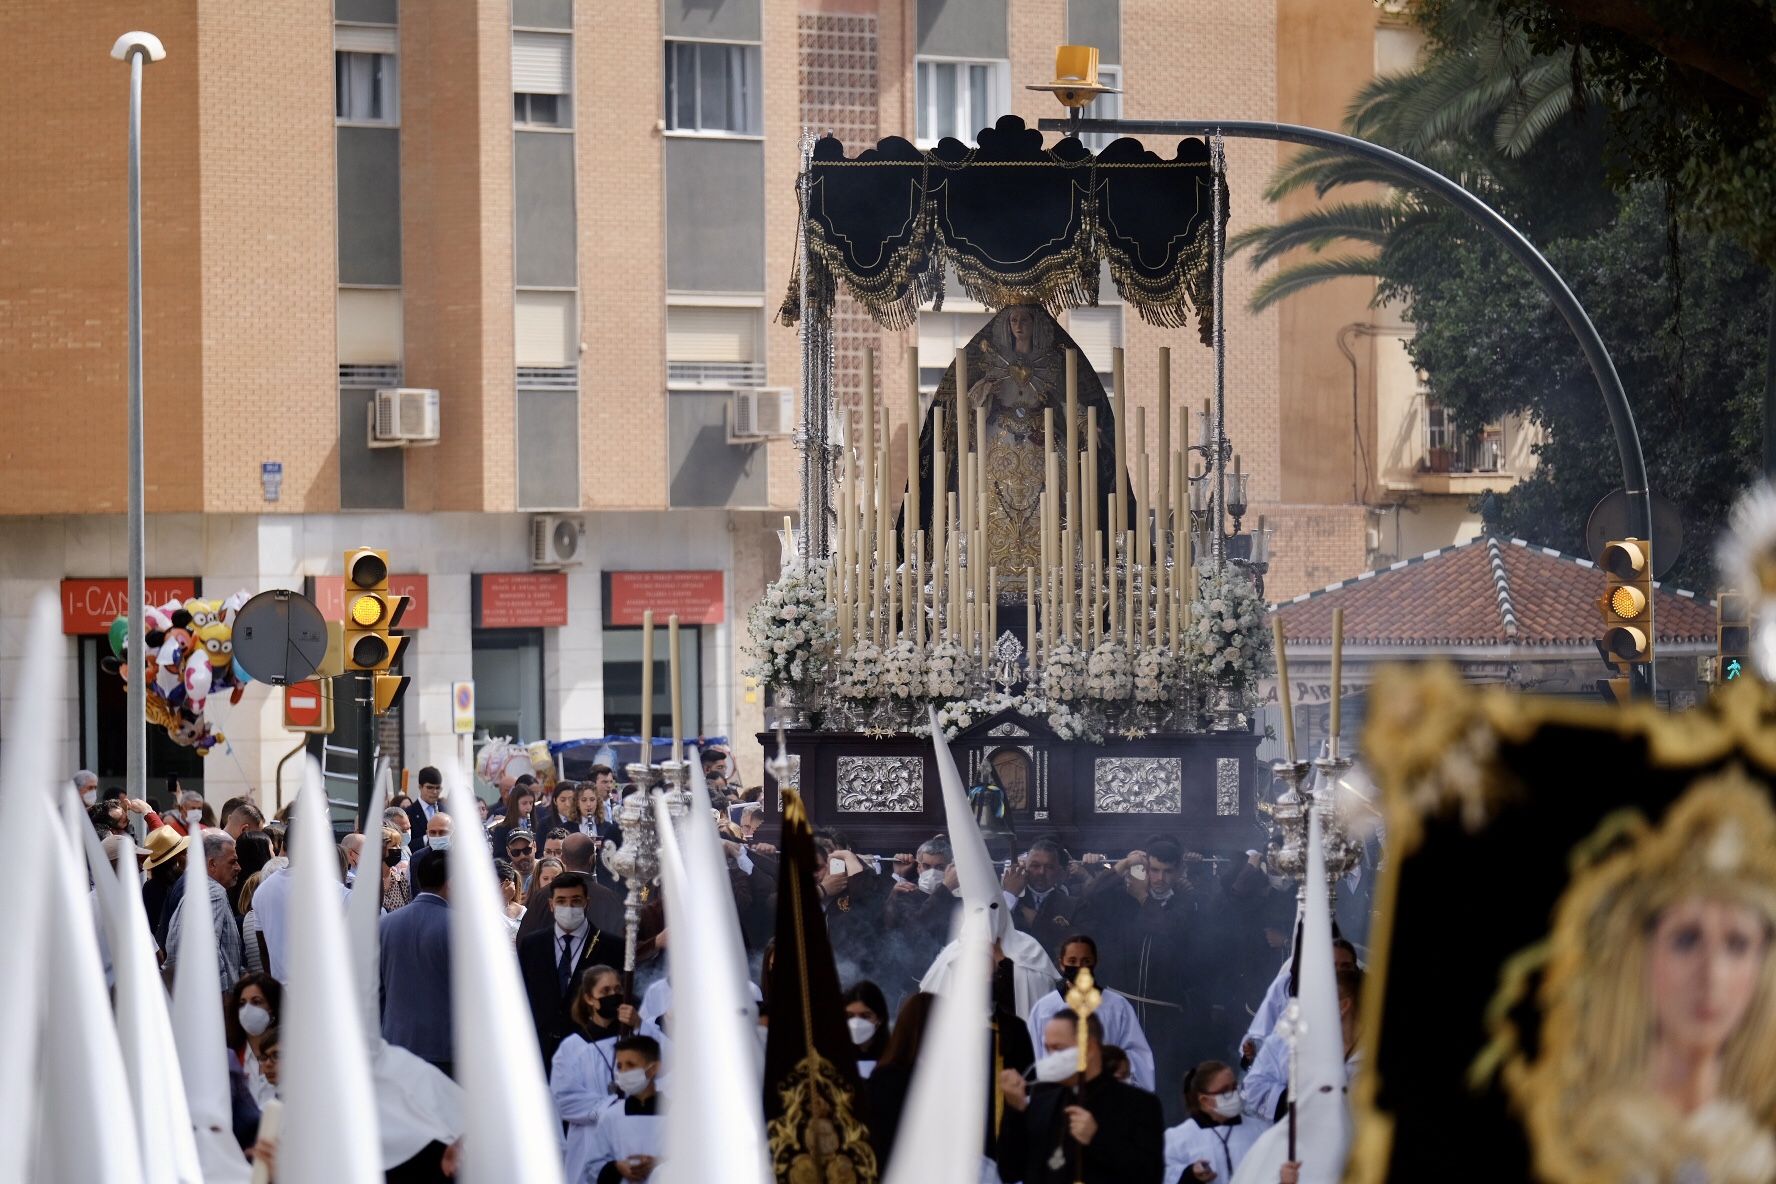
point(1023, 326)
point(1705, 959)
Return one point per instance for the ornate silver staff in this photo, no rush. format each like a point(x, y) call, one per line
point(636, 862)
point(1290, 1029)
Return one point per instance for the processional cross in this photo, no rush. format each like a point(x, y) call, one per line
point(1084, 998)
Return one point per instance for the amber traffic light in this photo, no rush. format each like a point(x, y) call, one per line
point(371, 613)
point(1628, 601)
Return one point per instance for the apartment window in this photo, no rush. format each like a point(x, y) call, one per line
point(1449, 449)
point(712, 87)
point(941, 334)
point(542, 79)
point(547, 337)
point(714, 346)
point(1103, 107)
point(958, 98)
point(365, 83)
point(369, 326)
point(1098, 333)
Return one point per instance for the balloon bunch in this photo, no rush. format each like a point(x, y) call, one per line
point(189, 655)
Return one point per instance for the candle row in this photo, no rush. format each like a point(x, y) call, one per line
point(1104, 573)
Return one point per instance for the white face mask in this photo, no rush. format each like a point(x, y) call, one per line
point(631, 1081)
point(438, 842)
point(862, 1030)
point(193, 817)
point(254, 1019)
point(89, 796)
point(1058, 1065)
point(569, 917)
point(1227, 1105)
point(930, 879)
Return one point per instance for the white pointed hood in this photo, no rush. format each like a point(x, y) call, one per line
point(714, 1131)
point(27, 756)
point(329, 1122)
point(1322, 1105)
point(415, 1102)
point(1034, 973)
point(510, 1130)
point(199, 1034)
point(168, 1147)
point(946, 1108)
point(84, 1073)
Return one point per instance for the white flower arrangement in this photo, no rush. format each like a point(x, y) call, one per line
point(903, 671)
point(1064, 673)
point(958, 716)
point(1109, 676)
point(792, 630)
point(860, 672)
point(1228, 639)
point(946, 671)
point(1155, 671)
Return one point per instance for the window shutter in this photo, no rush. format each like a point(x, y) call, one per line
point(542, 63)
point(369, 326)
point(702, 334)
point(365, 39)
point(1097, 331)
point(941, 334)
point(545, 329)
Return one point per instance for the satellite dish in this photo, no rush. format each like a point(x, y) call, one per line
point(1609, 520)
point(280, 637)
point(566, 538)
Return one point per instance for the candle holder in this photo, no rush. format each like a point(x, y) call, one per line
point(1289, 813)
point(637, 861)
point(675, 789)
point(1301, 797)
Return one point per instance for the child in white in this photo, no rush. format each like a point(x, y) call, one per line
point(626, 1143)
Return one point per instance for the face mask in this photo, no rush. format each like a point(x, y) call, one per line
point(568, 917)
point(1071, 974)
point(631, 1081)
point(392, 856)
point(862, 1030)
point(254, 1019)
point(930, 879)
point(193, 817)
point(1057, 1065)
point(609, 1006)
point(89, 796)
point(1226, 1105)
point(1279, 882)
point(438, 842)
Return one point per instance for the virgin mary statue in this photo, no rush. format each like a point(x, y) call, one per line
point(1016, 369)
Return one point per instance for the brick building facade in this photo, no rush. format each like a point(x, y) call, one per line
point(573, 221)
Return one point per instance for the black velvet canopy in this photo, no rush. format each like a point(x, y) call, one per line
point(1017, 222)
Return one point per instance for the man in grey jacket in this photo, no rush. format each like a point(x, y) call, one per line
point(223, 868)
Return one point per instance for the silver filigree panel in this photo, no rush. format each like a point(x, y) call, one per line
point(1137, 785)
point(1006, 729)
point(792, 779)
point(881, 784)
point(1227, 786)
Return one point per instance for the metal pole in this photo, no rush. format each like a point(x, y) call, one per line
point(366, 749)
point(136, 750)
point(1603, 370)
point(1218, 261)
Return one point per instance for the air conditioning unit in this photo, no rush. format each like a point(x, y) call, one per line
point(762, 414)
point(555, 541)
point(404, 417)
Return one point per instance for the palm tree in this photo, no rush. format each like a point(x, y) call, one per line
point(1479, 101)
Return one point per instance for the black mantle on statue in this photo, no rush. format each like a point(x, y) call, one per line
point(883, 793)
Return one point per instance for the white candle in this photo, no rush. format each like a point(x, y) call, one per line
point(677, 689)
point(647, 686)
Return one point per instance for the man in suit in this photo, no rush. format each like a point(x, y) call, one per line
point(420, 812)
point(416, 967)
point(1114, 1133)
point(551, 959)
point(1040, 903)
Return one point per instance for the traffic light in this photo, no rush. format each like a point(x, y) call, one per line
point(1628, 602)
point(388, 691)
point(371, 613)
point(1732, 637)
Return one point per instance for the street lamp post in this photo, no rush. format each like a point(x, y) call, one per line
point(136, 48)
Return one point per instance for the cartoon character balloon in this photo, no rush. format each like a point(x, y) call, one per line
point(188, 652)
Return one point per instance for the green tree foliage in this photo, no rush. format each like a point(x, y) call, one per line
point(1490, 343)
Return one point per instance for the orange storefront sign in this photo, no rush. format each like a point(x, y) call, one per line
point(698, 597)
point(89, 606)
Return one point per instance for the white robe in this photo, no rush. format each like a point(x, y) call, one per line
point(1033, 972)
point(618, 1135)
point(580, 1082)
point(1268, 1079)
point(656, 1001)
point(1271, 1007)
point(416, 1104)
point(1122, 1027)
point(1223, 1147)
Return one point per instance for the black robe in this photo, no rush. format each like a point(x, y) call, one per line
point(1129, 1147)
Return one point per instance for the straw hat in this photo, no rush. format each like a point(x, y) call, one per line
point(163, 844)
point(1076, 76)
